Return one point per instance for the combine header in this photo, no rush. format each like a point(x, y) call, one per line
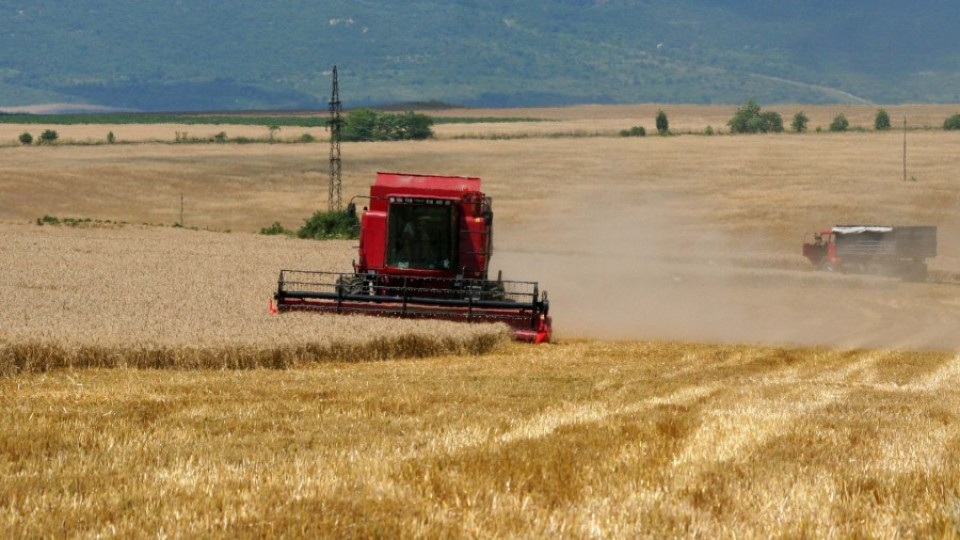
point(425, 246)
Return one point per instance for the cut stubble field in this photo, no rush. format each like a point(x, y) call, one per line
point(146, 387)
point(582, 439)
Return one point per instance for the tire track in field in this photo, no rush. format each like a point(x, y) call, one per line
point(947, 375)
point(741, 434)
point(750, 420)
point(546, 423)
point(928, 448)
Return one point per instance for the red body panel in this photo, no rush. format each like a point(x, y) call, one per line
point(406, 184)
point(472, 230)
point(373, 223)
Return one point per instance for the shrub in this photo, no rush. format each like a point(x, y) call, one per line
point(26, 138)
point(48, 136)
point(952, 123)
point(335, 224)
point(276, 228)
point(307, 138)
point(635, 131)
point(708, 131)
point(799, 123)
point(220, 137)
point(663, 125)
point(840, 123)
point(882, 121)
point(749, 119)
point(111, 138)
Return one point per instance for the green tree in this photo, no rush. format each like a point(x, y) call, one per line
point(48, 136)
point(840, 123)
point(26, 138)
point(771, 122)
point(370, 125)
point(749, 119)
point(882, 121)
point(417, 126)
point(740, 123)
point(359, 125)
point(952, 123)
point(799, 123)
point(663, 124)
point(387, 127)
point(111, 138)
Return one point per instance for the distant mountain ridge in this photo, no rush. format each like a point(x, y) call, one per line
point(245, 54)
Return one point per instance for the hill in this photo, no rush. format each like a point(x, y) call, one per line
point(245, 54)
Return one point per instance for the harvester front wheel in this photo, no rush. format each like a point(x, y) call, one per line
point(349, 285)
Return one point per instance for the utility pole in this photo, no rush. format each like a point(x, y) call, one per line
point(904, 148)
point(333, 197)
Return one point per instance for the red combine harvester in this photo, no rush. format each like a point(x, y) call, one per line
point(425, 246)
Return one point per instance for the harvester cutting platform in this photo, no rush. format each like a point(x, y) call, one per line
point(425, 247)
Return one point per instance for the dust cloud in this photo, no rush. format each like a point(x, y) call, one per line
point(623, 274)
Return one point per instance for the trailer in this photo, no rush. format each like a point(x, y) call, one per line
point(899, 251)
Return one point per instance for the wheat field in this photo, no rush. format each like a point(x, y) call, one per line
point(705, 381)
point(581, 439)
point(134, 296)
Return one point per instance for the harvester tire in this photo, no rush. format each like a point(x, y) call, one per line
point(350, 285)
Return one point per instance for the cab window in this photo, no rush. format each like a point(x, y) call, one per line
point(421, 236)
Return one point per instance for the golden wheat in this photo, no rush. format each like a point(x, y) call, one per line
point(163, 297)
point(580, 439)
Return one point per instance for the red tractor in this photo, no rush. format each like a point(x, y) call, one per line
point(425, 246)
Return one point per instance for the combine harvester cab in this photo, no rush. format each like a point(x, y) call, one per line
point(425, 247)
point(874, 249)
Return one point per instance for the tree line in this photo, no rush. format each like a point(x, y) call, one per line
point(749, 118)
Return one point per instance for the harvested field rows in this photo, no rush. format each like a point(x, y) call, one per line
point(580, 439)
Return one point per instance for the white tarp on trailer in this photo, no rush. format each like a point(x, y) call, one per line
point(860, 229)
